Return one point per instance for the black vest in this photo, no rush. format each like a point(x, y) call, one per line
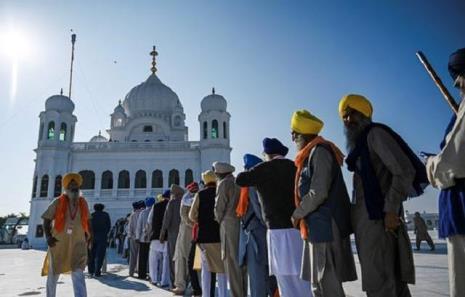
point(157, 219)
point(209, 229)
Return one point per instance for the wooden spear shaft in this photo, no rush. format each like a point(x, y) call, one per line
point(450, 100)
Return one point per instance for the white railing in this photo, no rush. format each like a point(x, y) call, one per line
point(112, 146)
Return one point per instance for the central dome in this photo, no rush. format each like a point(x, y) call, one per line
point(150, 96)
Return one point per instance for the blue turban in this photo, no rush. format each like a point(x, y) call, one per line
point(457, 63)
point(166, 194)
point(273, 146)
point(251, 160)
point(149, 201)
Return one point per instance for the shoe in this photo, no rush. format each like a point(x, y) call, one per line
point(178, 292)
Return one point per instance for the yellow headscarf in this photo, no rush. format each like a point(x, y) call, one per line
point(304, 122)
point(208, 177)
point(70, 177)
point(357, 102)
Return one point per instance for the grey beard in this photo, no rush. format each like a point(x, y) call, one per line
point(353, 133)
point(72, 195)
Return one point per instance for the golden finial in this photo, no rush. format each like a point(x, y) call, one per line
point(154, 54)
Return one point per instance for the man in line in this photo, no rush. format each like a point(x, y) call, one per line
point(144, 239)
point(132, 236)
point(274, 180)
point(322, 208)
point(68, 239)
point(227, 196)
point(101, 225)
point(183, 243)
point(252, 242)
point(208, 237)
point(421, 232)
point(386, 172)
point(446, 171)
point(159, 263)
point(171, 222)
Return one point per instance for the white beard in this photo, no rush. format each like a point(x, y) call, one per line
point(72, 195)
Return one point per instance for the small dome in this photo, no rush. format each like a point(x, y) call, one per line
point(59, 103)
point(119, 109)
point(151, 95)
point(98, 138)
point(214, 102)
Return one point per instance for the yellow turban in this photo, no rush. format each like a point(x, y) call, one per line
point(159, 197)
point(357, 102)
point(70, 177)
point(208, 177)
point(303, 122)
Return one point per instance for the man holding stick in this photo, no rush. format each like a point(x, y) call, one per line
point(446, 171)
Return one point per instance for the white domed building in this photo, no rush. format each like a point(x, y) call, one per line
point(148, 149)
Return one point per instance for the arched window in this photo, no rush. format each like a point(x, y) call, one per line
point(214, 129)
point(88, 179)
point(107, 180)
point(34, 186)
point(157, 179)
point(51, 130)
point(205, 130)
point(57, 191)
point(123, 180)
point(189, 177)
point(41, 131)
point(63, 131)
point(173, 177)
point(225, 130)
point(141, 179)
point(44, 186)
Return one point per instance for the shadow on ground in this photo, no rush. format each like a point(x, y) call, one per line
point(122, 282)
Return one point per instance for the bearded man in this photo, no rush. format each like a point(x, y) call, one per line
point(386, 173)
point(68, 231)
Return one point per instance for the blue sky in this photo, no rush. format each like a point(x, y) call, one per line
point(268, 58)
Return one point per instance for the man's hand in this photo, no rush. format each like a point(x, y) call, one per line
point(162, 241)
point(295, 222)
point(391, 221)
point(51, 241)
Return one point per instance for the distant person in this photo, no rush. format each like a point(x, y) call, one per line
point(68, 232)
point(101, 225)
point(158, 255)
point(446, 171)
point(170, 226)
point(132, 235)
point(25, 244)
point(144, 239)
point(421, 232)
point(227, 197)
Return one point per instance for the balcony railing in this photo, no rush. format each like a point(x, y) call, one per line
point(135, 146)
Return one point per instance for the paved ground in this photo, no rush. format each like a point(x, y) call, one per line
point(20, 276)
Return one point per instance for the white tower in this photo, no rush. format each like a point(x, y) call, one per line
point(56, 134)
point(214, 131)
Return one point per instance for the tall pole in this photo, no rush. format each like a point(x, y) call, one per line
point(73, 40)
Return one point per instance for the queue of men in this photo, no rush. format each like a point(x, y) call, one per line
point(282, 227)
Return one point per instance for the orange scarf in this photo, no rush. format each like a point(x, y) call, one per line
point(299, 163)
point(62, 208)
point(243, 203)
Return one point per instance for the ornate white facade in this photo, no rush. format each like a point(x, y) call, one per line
point(148, 150)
